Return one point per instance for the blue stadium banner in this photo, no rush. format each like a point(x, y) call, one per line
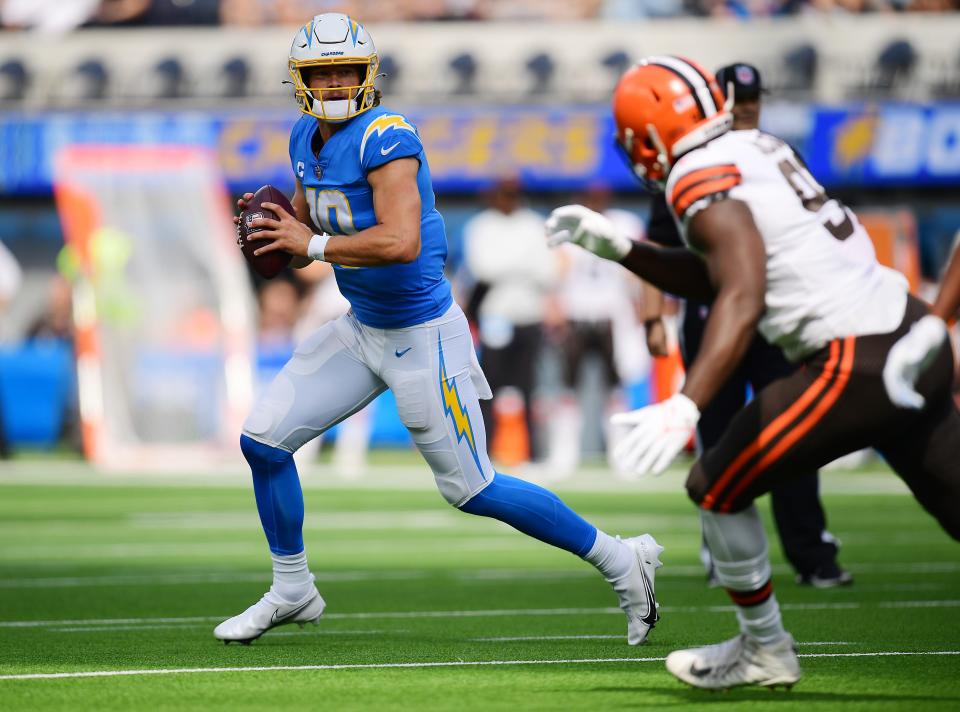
point(551, 148)
point(886, 144)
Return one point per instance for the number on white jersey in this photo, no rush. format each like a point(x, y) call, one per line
point(834, 215)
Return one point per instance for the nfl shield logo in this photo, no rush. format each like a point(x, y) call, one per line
point(317, 171)
point(745, 75)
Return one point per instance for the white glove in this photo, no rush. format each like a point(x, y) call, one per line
point(591, 230)
point(909, 357)
point(659, 432)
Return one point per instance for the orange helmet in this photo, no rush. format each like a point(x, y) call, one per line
point(664, 107)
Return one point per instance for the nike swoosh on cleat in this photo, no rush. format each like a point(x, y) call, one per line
point(387, 150)
point(277, 621)
point(400, 354)
point(699, 672)
point(652, 614)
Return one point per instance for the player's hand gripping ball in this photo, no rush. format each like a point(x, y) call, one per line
point(268, 264)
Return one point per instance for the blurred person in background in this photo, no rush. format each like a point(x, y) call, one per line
point(364, 202)
point(56, 321)
point(158, 13)
point(797, 509)
point(279, 311)
point(639, 9)
point(514, 273)
point(56, 325)
point(11, 277)
point(49, 16)
point(598, 302)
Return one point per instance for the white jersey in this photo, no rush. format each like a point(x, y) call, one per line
point(823, 278)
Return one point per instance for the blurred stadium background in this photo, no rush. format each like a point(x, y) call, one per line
point(133, 338)
point(126, 127)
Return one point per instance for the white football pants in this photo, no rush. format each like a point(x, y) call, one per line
point(432, 370)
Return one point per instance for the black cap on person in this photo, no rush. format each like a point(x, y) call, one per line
point(745, 79)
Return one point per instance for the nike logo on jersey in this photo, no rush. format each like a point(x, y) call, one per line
point(400, 354)
point(387, 150)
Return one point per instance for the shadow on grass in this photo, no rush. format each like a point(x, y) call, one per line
point(687, 696)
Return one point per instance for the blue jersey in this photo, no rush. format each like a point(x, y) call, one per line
point(341, 203)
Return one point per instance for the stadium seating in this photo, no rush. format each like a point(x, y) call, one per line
point(805, 56)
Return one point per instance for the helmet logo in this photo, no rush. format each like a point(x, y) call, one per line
point(744, 74)
point(354, 30)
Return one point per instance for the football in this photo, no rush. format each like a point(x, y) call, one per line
point(272, 263)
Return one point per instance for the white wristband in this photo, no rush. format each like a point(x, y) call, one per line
point(318, 243)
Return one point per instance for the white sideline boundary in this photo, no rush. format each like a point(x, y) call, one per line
point(437, 664)
point(110, 623)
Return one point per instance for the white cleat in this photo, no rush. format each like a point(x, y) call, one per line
point(738, 661)
point(269, 612)
point(635, 588)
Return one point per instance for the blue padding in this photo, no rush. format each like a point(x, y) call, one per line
point(36, 383)
point(276, 486)
point(534, 511)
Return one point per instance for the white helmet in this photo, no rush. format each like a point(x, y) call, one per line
point(333, 38)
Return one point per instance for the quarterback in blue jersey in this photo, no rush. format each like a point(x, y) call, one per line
point(364, 202)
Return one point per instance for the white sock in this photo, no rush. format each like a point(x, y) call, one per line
point(611, 556)
point(292, 579)
point(762, 622)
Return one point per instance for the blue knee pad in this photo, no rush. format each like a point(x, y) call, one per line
point(534, 511)
point(276, 486)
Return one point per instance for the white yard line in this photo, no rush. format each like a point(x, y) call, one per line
point(177, 579)
point(523, 638)
point(109, 623)
point(437, 664)
point(878, 480)
point(681, 571)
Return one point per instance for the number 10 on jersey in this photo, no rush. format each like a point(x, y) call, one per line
point(331, 211)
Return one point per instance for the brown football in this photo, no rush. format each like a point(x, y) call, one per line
point(272, 263)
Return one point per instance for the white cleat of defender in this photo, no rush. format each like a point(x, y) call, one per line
point(738, 661)
point(269, 612)
point(636, 591)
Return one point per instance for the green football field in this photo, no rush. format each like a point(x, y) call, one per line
point(110, 589)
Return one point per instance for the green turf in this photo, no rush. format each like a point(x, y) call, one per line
point(94, 569)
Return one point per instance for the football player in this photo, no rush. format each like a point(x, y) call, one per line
point(772, 251)
point(364, 203)
point(797, 510)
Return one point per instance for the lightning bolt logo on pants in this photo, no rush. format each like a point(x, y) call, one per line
point(453, 406)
